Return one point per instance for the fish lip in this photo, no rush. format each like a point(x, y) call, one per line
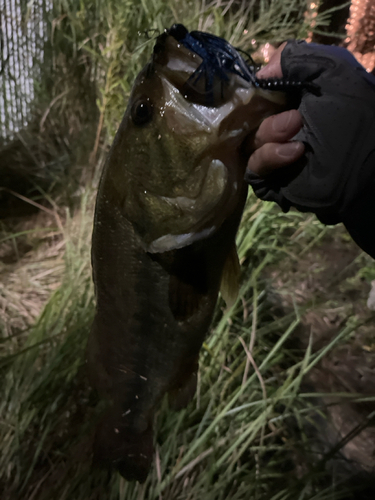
point(178, 31)
point(159, 55)
point(160, 43)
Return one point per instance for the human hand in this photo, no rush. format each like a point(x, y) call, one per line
point(338, 132)
point(335, 178)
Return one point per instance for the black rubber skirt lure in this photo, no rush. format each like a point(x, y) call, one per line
point(219, 60)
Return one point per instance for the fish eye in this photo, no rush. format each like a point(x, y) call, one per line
point(141, 111)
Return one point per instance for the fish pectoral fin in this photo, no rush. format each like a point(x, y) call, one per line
point(184, 298)
point(230, 279)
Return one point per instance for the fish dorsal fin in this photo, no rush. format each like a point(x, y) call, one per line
point(230, 279)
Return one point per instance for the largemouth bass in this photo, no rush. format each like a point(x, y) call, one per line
point(168, 207)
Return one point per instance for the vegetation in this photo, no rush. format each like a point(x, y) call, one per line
point(262, 423)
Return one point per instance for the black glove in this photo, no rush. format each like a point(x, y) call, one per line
point(336, 177)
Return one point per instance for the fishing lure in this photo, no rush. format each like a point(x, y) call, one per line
point(220, 58)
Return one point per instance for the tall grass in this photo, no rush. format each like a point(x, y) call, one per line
point(249, 432)
point(240, 436)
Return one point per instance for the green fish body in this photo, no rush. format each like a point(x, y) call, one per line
point(168, 208)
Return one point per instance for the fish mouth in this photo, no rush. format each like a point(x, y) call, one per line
point(177, 31)
point(200, 65)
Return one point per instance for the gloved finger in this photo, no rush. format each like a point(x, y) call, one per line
point(276, 128)
point(272, 155)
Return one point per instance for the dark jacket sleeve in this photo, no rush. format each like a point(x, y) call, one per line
point(336, 177)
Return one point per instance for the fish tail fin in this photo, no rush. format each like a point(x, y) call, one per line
point(121, 447)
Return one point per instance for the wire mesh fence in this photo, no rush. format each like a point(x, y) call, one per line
point(49, 84)
point(23, 36)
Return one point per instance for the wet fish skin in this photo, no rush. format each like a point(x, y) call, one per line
point(168, 207)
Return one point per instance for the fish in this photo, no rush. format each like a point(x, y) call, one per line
point(168, 207)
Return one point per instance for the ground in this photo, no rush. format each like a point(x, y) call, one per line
point(329, 277)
